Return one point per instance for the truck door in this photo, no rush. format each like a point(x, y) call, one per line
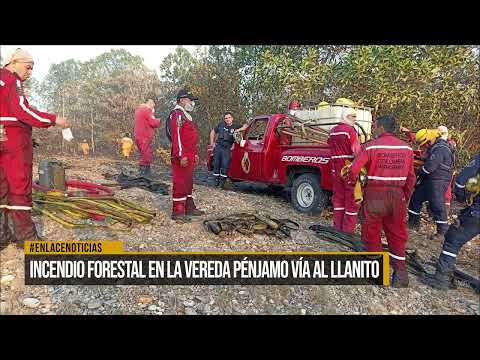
point(247, 162)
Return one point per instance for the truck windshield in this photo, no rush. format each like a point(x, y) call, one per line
point(257, 129)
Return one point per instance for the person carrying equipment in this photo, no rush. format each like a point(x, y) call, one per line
point(435, 176)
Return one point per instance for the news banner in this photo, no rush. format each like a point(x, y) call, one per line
point(106, 263)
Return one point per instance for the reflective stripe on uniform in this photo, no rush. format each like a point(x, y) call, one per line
point(190, 196)
point(8, 118)
point(388, 147)
point(441, 222)
point(459, 186)
point(2, 83)
point(340, 133)
point(223, 175)
point(385, 178)
point(15, 207)
point(28, 111)
point(413, 212)
point(349, 213)
point(338, 209)
point(423, 168)
point(342, 157)
point(179, 199)
point(179, 142)
point(449, 253)
point(397, 257)
point(216, 174)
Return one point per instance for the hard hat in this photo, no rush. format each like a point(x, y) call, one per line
point(323, 103)
point(294, 105)
point(442, 130)
point(345, 101)
point(425, 135)
point(421, 136)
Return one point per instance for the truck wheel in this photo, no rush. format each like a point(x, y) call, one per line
point(306, 194)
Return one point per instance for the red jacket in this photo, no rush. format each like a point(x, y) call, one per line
point(184, 135)
point(343, 142)
point(14, 107)
point(145, 123)
point(390, 164)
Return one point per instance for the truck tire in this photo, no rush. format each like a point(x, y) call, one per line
point(306, 195)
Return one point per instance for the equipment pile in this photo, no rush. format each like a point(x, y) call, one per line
point(251, 222)
point(104, 211)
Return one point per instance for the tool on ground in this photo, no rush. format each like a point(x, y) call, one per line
point(414, 265)
point(251, 222)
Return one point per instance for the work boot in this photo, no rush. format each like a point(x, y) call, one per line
point(440, 280)
point(400, 279)
point(6, 236)
point(222, 182)
point(195, 212)
point(181, 218)
point(191, 208)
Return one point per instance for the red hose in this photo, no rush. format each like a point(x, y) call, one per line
point(93, 190)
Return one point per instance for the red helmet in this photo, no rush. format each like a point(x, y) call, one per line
point(294, 105)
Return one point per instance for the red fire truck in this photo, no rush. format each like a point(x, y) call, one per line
point(269, 156)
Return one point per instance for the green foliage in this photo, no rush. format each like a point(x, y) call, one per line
point(423, 86)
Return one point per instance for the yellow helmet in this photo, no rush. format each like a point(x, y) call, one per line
point(425, 135)
point(345, 101)
point(323, 103)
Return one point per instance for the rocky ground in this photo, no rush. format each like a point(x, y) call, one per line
point(162, 234)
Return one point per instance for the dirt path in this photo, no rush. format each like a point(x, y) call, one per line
point(165, 235)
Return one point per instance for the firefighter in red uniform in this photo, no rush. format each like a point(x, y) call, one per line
point(17, 118)
point(343, 142)
point(390, 182)
point(145, 124)
point(183, 133)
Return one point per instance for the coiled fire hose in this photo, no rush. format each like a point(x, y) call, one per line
point(100, 211)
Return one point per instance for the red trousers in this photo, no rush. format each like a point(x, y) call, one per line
point(385, 207)
point(145, 147)
point(345, 209)
point(182, 179)
point(16, 159)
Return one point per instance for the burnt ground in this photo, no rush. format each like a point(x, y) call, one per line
point(163, 234)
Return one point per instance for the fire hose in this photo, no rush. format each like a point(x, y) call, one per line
point(414, 266)
point(99, 211)
point(250, 222)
